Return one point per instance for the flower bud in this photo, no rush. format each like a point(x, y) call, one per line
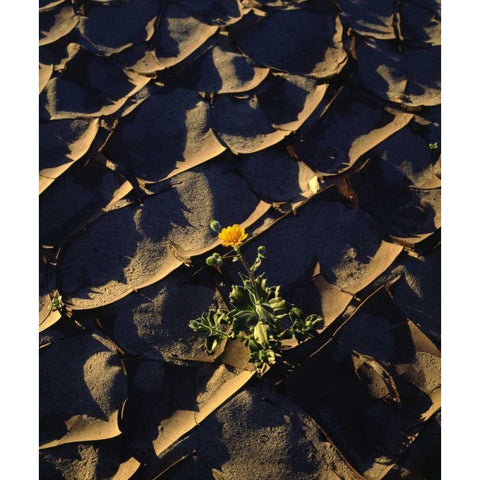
point(215, 226)
point(214, 260)
point(262, 250)
point(218, 259)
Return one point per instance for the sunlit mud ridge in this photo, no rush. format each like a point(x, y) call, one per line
point(314, 125)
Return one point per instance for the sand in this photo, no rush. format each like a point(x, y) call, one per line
point(313, 124)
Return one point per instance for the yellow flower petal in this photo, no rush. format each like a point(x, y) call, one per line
point(232, 236)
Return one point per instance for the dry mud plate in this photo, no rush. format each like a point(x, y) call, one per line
point(315, 125)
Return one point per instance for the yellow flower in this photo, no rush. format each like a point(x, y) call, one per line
point(232, 236)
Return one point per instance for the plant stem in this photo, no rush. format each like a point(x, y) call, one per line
point(250, 274)
point(227, 256)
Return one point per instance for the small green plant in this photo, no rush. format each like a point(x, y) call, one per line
point(259, 316)
point(57, 303)
point(433, 146)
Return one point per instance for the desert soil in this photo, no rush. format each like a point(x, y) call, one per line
point(314, 124)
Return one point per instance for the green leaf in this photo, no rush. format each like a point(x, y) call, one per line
point(262, 287)
point(270, 356)
point(210, 323)
point(295, 313)
point(211, 344)
point(255, 265)
point(273, 292)
point(194, 325)
point(278, 305)
point(201, 327)
point(314, 321)
point(244, 321)
point(261, 254)
point(261, 333)
point(303, 336)
point(248, 317)
point(219, 317)
point(240, 298)
point(265, 312)
point(252, 345)
point(262, 358)
point(251, 295)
